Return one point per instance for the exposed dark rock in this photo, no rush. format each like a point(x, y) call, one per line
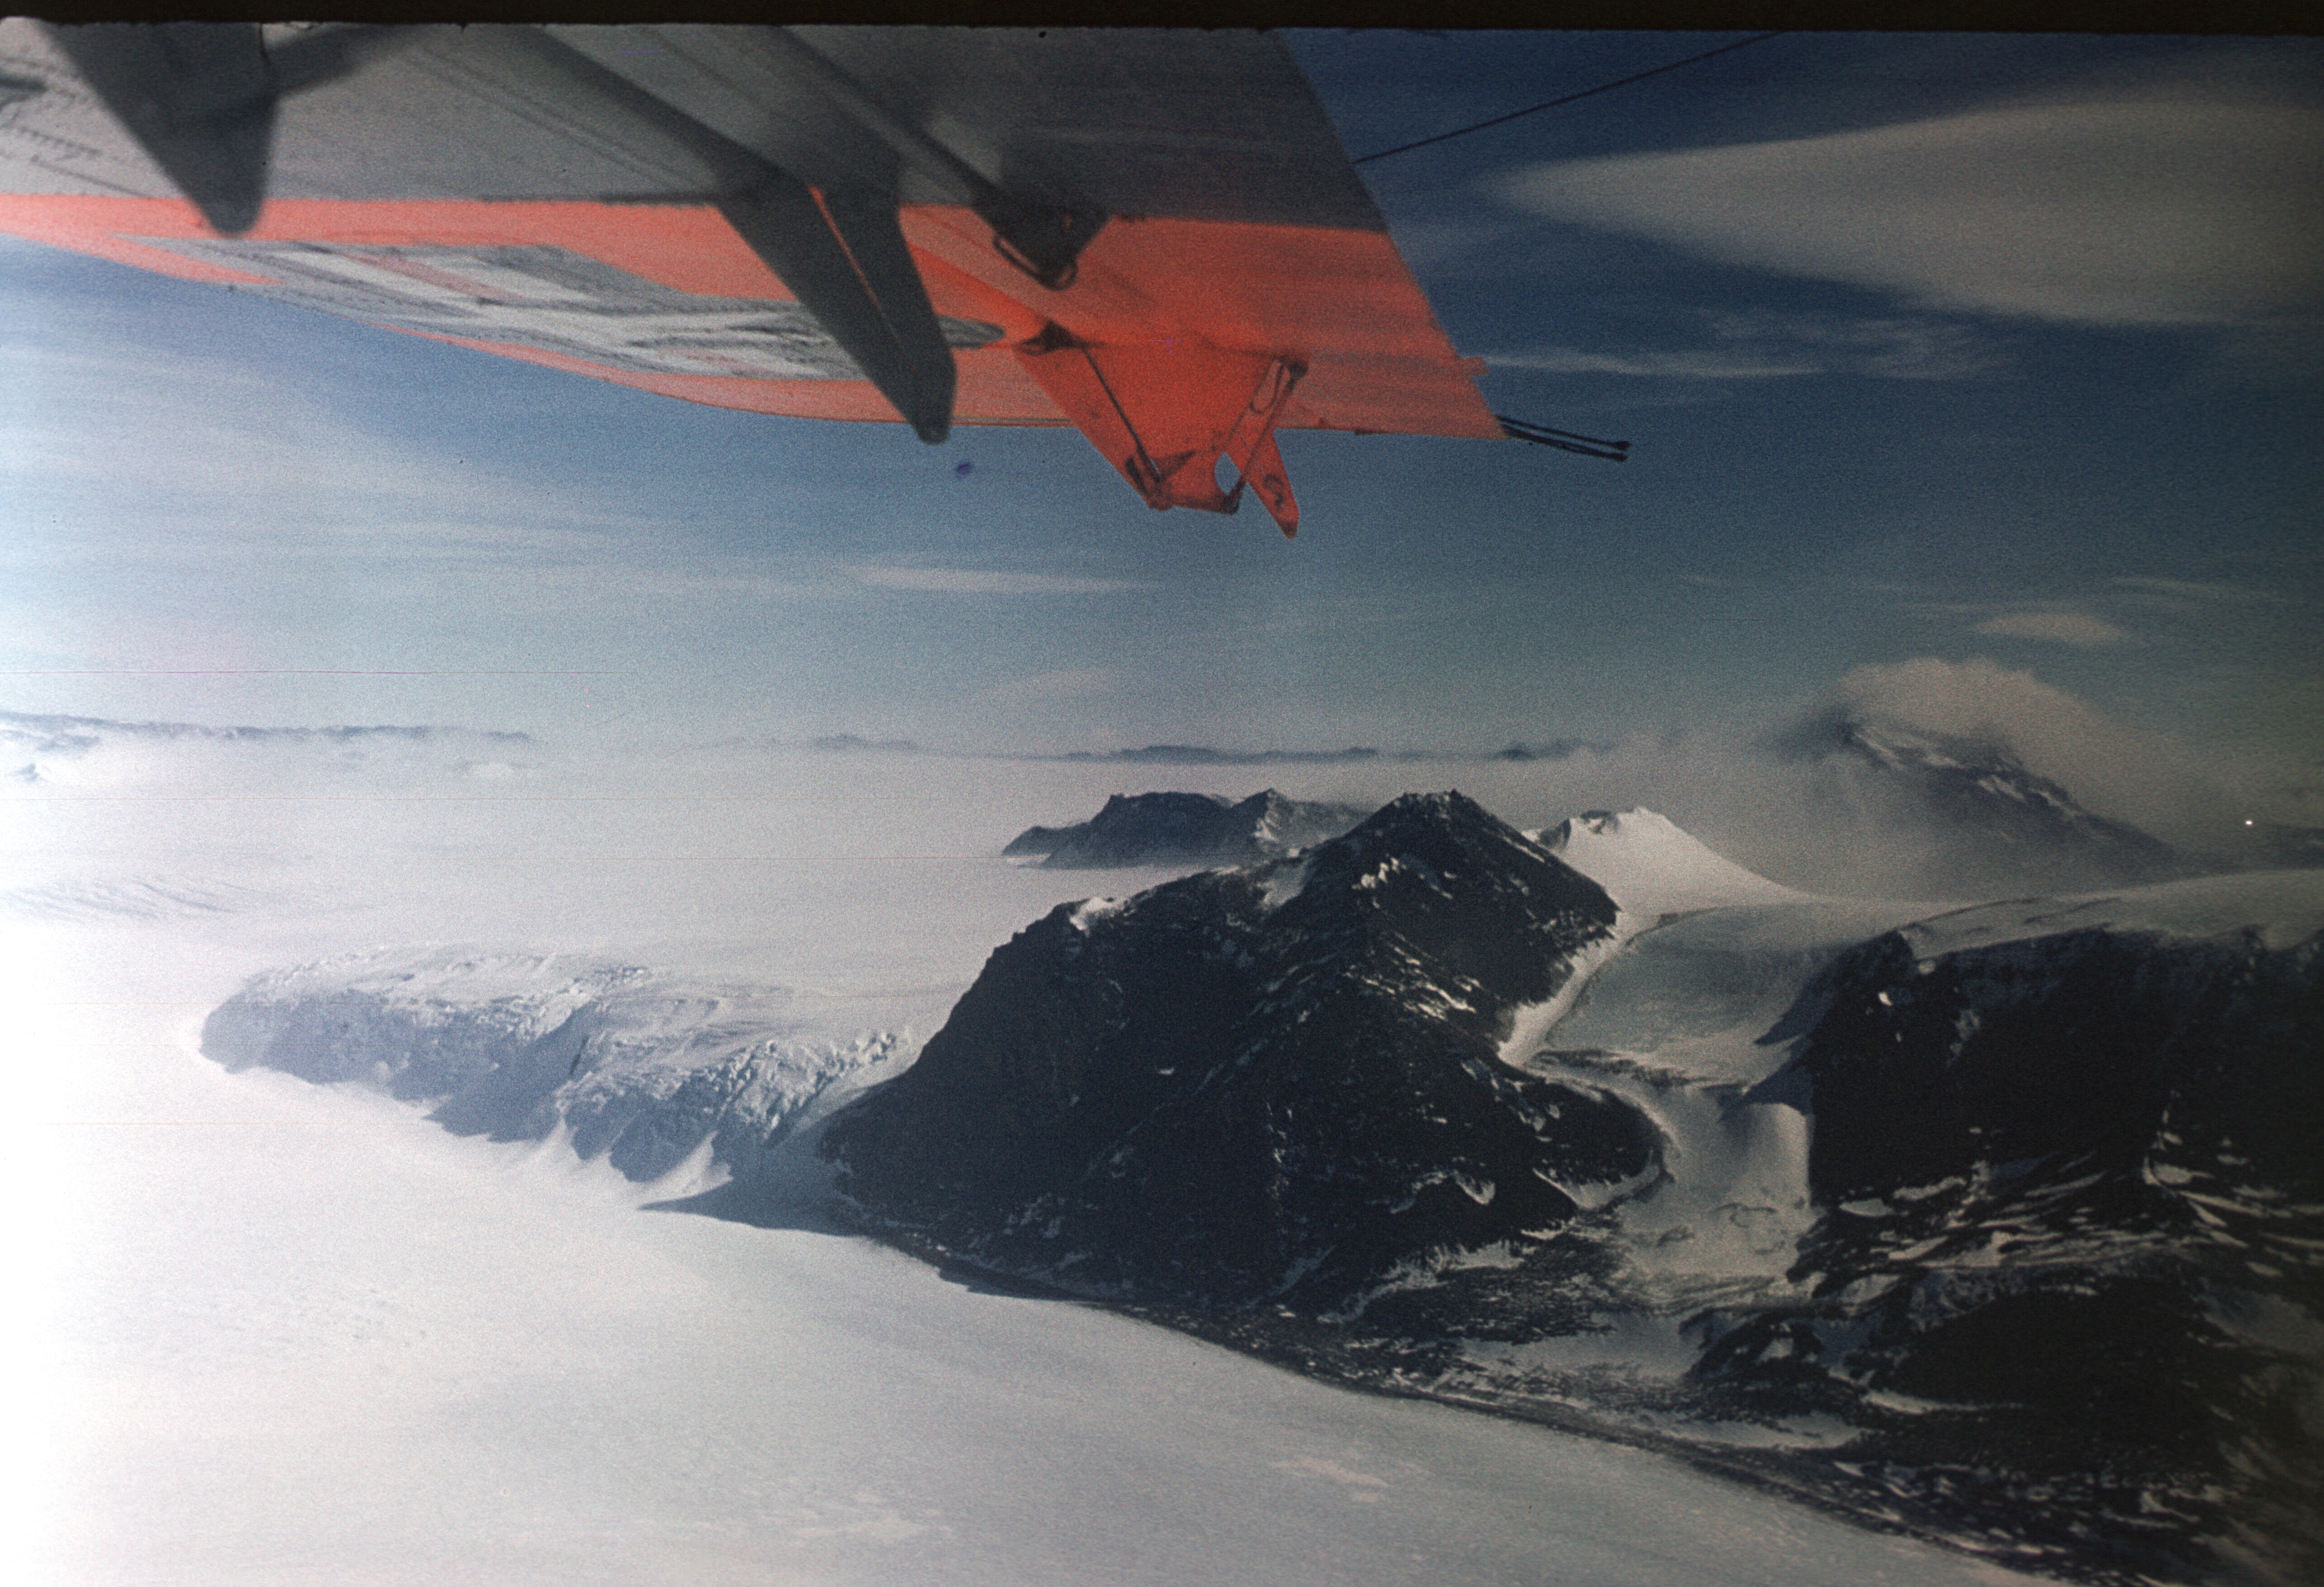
point(1148, 828)
point(1036, 840)
point(1281, 1081)
point(2071, 1187)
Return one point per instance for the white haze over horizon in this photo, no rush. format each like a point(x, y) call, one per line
point(1763, 789)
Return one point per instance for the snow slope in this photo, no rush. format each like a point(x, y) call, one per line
point(1652, 867)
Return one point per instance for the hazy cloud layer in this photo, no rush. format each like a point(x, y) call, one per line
point(1065, 684)
point(2156, 209)
point(2115, 769)
point(46, 754)
point(1829, 821)
point(63, 732)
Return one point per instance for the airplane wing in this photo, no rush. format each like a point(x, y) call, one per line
point(1152, 236)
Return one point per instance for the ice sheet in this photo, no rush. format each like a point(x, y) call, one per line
point(286, 1334)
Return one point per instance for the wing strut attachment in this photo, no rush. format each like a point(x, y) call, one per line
point(200, 97)
point(1163, 414)
point(1043, 240)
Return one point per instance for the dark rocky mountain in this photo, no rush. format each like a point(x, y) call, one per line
point(2047, 1289)
point(1556, 749)
point(1276, 1082)
point(1151, 828)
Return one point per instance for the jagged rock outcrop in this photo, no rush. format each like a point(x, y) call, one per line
point(1279, 1080)
point(1155, 828)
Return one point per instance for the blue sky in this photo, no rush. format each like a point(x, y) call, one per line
point(1948, 360)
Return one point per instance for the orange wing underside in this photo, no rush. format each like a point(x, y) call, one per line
point(1337, 303)
point(1159, 240)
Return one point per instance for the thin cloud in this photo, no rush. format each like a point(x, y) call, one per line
point(965, 581)
point(1887, 347)
point(1763, 346)
point(2184, 590)
point(2063, 627)
point(89, 426)
point(2154, 209)
point(1692, 364)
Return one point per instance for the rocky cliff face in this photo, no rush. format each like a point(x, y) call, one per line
point(1279, 1082)
point(2071, 1199)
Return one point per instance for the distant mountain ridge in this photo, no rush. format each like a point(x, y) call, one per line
point(55, 733)
point(1148, 828)
point(1209, 755)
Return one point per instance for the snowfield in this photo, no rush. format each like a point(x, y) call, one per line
point(290, 1330)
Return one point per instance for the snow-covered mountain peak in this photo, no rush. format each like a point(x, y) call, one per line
point(1986, 819)
point(2277, 910)
point(1651, 865)
point(653, 1071)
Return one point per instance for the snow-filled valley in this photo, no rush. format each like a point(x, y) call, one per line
point(415, 1176)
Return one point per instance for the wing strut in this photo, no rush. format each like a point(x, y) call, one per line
point(843, 255)
point(200, 99)
point(841, 250)
point(1564, 440)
